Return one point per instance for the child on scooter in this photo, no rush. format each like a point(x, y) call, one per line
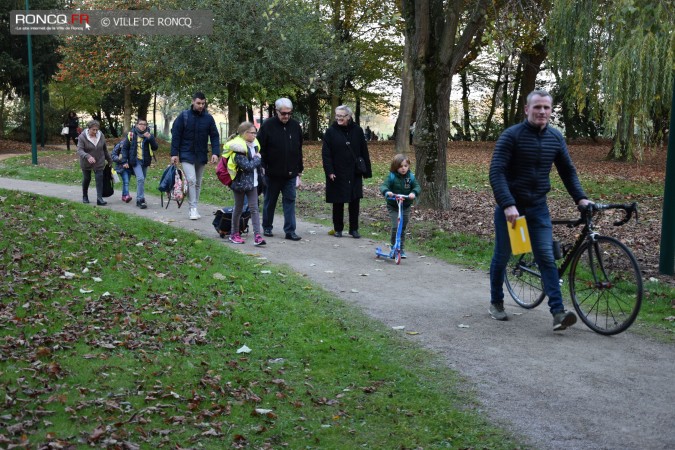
point(399, 181)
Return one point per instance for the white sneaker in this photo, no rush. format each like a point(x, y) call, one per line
point(194, 215)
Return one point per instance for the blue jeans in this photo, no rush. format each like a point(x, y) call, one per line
point(125, 174)
point(275, 186)
point(541, 236)
point(140, 170)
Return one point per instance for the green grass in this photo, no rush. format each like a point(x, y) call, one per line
point(116, 328)
point(425, 237)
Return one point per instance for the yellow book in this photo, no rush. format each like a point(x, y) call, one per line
point(519, 236)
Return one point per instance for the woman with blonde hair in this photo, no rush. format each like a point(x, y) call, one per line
point(243, 161)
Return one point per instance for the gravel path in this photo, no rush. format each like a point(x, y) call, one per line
point(573, 389)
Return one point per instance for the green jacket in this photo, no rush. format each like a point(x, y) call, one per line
point(400, 184)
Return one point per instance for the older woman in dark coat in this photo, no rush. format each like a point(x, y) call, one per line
point(343, 143)
point(93, 155)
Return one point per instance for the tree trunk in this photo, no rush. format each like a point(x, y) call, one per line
point(531, 61)
point(465, 105)
point(513, 107)
point(357, 110)
point(405, 111)
point(126, 126)
point(313, 106)
point(622, 150)
point(439, 49)
point(493, 104)
point(432, 86)
point(2, 112)
point(232, 107)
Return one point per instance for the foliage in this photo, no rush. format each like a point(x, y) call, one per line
point(122, 332)
point(616, 55)
point(14, 51)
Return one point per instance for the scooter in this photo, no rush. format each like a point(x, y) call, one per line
point(395, 252)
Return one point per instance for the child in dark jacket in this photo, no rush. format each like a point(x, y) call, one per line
point(403, 182)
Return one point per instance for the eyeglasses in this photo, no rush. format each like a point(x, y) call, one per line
point(252, 132)
point(285, 113)
point(341, 116)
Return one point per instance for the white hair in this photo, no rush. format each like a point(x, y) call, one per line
point(283, 103)
point(346, 109)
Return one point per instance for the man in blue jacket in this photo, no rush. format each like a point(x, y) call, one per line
point(280, 140)
point(190, 135)
point(519, 176)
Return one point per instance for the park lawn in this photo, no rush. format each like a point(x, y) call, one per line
point(120, 331)
point(464, 235)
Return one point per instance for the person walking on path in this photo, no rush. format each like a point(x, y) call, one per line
point(190, 136)
point(72, 124)
point(280, 140)
point(245, 159)
point(93, 155)
point(400, 181)
point(520, 179)
point(138, 152)
point(343, 145)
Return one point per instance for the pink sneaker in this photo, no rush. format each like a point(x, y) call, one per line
point(126, 198)
point(236, 239)
point(259, 240)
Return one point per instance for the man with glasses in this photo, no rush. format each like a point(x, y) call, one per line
point(190, 136)
point(280, 140)
point(138, 154)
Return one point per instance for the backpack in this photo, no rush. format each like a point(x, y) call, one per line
point(179, 188)
point(222, 221)
point(167, 182)
point(222, 172)
point(117, 149)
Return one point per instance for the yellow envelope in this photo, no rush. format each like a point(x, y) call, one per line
point(519, 236)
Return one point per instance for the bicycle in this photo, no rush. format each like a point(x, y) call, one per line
point(395, 252)
point(604, 281)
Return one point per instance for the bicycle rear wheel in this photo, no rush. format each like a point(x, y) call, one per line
point(606, 285)
point(523, 281)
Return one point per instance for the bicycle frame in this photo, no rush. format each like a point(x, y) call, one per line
point(587, 232)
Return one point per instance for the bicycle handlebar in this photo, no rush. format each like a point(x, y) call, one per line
point(398, 197)
point(629, 210)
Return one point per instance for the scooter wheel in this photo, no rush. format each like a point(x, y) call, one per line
point(398, 257)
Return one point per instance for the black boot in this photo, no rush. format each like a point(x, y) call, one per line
point(101, 202)
point(85, 199)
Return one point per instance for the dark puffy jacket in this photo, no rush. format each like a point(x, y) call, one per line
point(246, 165)
point(521, 166)
point(340, 160)
point(281, 148)
point(190, 135)
point(130, 149)
point(402, 185)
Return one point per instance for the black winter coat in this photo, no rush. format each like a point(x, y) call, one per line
point(190, 135)
point(281, 148)
point(130, 149)
point(521, 166)
point(340, 160)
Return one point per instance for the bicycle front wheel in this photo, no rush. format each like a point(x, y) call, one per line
point(606, 285)
point(523, 281)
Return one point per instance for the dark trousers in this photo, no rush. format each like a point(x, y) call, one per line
point(541, 235)
point(86, 179)
point(68, 138)
point(339, 215)
point(274, 187)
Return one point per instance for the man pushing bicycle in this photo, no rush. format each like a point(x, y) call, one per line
point(520, 179)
